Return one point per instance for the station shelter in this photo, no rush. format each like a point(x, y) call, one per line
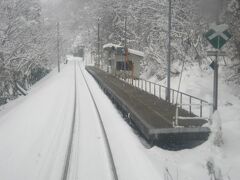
point(119, 60)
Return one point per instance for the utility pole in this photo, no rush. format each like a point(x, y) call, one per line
point(125, 36)
point(98, 44)
point(58, 46)
point(125, 44)
point(217, 36)
point(169, 52)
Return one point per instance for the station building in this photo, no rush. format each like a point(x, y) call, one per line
point(116, 62)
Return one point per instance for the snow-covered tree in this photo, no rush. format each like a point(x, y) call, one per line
point(23, 39)
point(147, 27)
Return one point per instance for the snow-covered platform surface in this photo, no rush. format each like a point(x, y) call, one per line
point(34, 133)
point(152, 116)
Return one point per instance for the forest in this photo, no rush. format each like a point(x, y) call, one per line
point(28, 34)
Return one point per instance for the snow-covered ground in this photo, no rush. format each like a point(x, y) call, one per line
point(88, 158)
point(192, 163)
point(34, 134)
point(34, 130)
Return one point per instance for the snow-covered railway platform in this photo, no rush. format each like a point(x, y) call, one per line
point(152, 117)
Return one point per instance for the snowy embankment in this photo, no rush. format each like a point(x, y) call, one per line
point(34, 129)
point(192, 164)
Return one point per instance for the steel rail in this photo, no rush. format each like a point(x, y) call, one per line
point(70, 142)
point(109, 152)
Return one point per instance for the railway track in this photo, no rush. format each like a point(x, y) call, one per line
point(70, 143)
point(106, 141)
point(65, 175)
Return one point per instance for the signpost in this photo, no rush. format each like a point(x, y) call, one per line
point(215, 53)
point(217, 36)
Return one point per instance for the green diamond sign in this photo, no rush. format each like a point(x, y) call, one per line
point(218, 35)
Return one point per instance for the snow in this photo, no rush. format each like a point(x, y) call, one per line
point(138, 53)
point(132, 51)
point(135, 161)
point(89, 158)
point(130, 156)
point(226, 156)
point(35, 129)
point(219, 28)
point(110, 45)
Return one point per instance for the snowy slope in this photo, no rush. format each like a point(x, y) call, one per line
point(200, 84)
point(34, 130)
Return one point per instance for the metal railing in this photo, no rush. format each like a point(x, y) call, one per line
point(192, 104)
point(177, 117)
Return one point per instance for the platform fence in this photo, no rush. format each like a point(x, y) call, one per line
point(190, 103)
